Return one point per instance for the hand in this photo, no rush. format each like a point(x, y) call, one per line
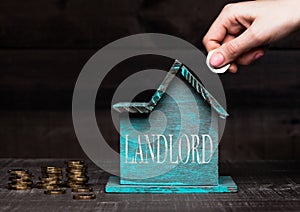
point(242, 29)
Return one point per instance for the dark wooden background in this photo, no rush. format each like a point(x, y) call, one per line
point(44, 45)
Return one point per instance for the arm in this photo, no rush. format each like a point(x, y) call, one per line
point(242, 29)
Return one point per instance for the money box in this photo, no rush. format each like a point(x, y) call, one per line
point(170, 144)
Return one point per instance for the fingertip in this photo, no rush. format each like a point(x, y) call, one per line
point(250, 57)
point(205, 40)
point(233, 68)
point(211, 45)
point(259, 55)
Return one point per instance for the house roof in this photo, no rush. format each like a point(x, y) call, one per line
point(176, 68)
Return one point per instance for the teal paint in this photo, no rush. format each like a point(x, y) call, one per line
point(225, 185)
point(179, 174)
point(147, 107)
point(205, 94)
point(159, 154)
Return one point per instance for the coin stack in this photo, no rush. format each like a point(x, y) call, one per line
point(51, 178)
point(20, 179)
point(76, 174)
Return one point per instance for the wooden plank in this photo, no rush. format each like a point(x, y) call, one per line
point(261, 133)
point(250, 134)
point(38, 134)
point(262, 102)
point(46, 134)
point(41, 69)
point(271, 82)
point(78, 24)
point(264, 186)
point(45, 79)
point(65, 24)
point(181, 150)
point(225, 185)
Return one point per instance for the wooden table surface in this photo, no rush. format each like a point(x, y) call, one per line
point(263, 186)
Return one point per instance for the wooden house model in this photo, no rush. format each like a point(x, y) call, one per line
point(170, 144)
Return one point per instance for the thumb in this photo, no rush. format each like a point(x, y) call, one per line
point(231, 50)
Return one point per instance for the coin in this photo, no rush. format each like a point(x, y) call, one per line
point(74, 162)
point(76, 174)
point(51, 178)
point(41, 185)
point(55, 175)
point(51, 170)
point(84, 196)
point(54, 182)
point(75, 184)
point(213, 69)
point(48, 187)
point(72, 175)
point(51, 173)
point(18, 186)
point(82, 189)
point(77, 166)
point(14, 178)
point(55, 191)
point(76, 171)
point(18, 171)
point(20, 179)
point(21, 182)
point(20, 174)
point(79, 179)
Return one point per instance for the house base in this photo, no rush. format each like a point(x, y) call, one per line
point(226, 185)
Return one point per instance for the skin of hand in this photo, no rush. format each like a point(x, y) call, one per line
point(242, 29)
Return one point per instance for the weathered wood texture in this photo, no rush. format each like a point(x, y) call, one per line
point(44, 45)
point(36, 93)
point(45, 79)
point(93, 24)
point(263, 186)
point(249, 134)
point(185, 114)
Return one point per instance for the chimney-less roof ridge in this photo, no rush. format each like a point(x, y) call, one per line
point(148, 107)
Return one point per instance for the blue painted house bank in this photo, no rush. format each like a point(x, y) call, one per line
point(170, 144)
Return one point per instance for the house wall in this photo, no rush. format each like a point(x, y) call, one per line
point(177, 144)
point(44, 45)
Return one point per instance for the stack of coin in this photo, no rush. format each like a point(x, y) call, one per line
point(76, 174)
point(20, 179)
point(51, 178)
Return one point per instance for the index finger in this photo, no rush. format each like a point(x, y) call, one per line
point(225, 24)
point(214, 36)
